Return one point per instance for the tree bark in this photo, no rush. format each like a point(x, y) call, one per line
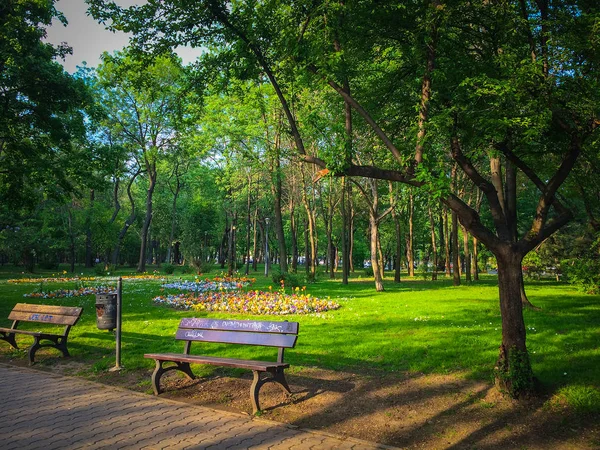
point(410, 255)
point(89, 257)
point(151, 169)
point(433, 245)
point(467, 255)
point(513, 369)
point(455, 255)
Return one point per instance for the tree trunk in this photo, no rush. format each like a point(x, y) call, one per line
point(89, 258)
point(513, 370)
point(71, 241)
point(255, 247)
point(173, 221)
point(433, 246)
point(283, 268)
point(147, 220)
point(398, 262)
point(447, 242)
point(467, 253)
point(475, 266)
point(455, 256)
point(410, 255)
point(128, 222)
point(374, 252)
point(294, 237)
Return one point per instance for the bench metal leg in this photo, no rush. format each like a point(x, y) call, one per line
point(277, 376)
point(10, 338)
point(159, 371)
point(59, 343)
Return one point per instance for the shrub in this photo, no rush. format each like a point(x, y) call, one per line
point(584, 273)
point(99, 269)
point(369, 271)
point(168, 268)
point(289, 279)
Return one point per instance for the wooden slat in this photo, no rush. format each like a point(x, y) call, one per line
point(216, 361)
point(43, 318)
point(255, 326)
point(237, 337)
point(57, 315)
point(49, 309)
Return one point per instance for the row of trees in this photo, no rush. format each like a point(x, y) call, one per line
point(330, 118)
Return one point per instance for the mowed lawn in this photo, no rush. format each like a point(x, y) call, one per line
point(418, 326)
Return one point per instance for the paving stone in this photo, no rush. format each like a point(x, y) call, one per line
point(49, 411)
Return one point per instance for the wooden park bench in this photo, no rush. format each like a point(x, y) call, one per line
point(249, 332)
point(50, 315)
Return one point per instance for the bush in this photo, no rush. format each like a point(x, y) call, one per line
point(168, 268)
point(369, 272)
point(289, 279)
point(584, 273)
point(99, 269)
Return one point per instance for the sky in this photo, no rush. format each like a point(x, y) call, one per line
point(89, 39)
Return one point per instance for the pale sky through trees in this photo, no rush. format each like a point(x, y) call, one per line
point(89, 39)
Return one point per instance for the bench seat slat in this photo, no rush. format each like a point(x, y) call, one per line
point(237, 337)
point(255, 326)
point(216, 361)
point(27, 332)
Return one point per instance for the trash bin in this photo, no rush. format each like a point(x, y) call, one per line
point(106, 311)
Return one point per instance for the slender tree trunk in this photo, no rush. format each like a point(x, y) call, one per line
point(89, 257)
point(130, 220)
point(283, 268)
point(294, 238)
point(173, 221)
point(147, 220)
point(447, 242)
point(475, 266)
point(352, 213)
point(467, 254)
point(255, 249)
point(248, 225)
point(455, 255)
point(71, 241)
point(433, 245)
point(410, 254)
point(374, 252)
point(398, 264)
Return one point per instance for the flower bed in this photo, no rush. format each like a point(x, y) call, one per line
point(61, 293)
point(205, 285)
point(253, 302)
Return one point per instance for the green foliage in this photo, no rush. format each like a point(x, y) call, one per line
point(168, 268)
point(583, 273)
point(289, 280)
point(368, 271)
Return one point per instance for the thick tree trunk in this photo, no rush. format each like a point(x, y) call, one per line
point(513, 370)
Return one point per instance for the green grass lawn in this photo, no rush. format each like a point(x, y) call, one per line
point(420, 326)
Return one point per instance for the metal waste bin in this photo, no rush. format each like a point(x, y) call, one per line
point(106, 311)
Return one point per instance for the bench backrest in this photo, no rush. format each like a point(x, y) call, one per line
point(56, 315)
point(248, 332)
